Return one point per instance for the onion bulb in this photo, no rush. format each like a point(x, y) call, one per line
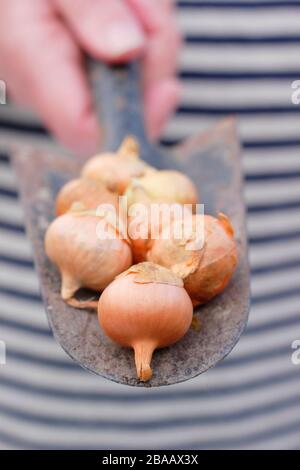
point(147, 222)
point(166, 186)
point(88, 251)
point(88, 192)
point(115, 170)
point(206, 270)
point(145, 308)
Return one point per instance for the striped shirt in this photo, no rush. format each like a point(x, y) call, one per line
point(240, 57)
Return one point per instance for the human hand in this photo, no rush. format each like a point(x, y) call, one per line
point(41, 46)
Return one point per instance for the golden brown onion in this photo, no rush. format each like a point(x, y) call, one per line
point(90, 193)
point(145, 308)
point(145, 226)
point(166, 186)
point(205, 271)
point(115, 170)
point(73, 242)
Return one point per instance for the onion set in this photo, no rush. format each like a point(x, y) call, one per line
point(145, 226)
point(206, 270)
point(88, 192)
point(149, 305)
point(166, 186)
point(87, 251)
point(145, 308)
point(115, 170)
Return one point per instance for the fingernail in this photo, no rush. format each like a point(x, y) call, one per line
point(122, 39)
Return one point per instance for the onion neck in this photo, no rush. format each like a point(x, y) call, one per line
point(69, 286)
point(143, 354)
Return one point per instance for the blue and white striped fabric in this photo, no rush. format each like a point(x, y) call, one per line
point(240, 57)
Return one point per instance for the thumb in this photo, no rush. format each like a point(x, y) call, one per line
point(107, 30)
point(42, 64)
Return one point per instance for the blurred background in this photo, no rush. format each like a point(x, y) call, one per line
point(239, 57)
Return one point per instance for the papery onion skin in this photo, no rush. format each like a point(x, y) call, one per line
point(217, 259)
point(112, 171)
point(83, 259)
point(144, 316)
point(141, 246)
point(165, 186)
point(218, 264)
point(115, 170)
point(88, 192)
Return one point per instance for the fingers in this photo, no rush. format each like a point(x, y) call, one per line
point(163, 46)
point(120, 30)
point(160, 101)
point(148, 12)
point(52, 82)
point(106, 29)
point(41, 62)
point(162, 90)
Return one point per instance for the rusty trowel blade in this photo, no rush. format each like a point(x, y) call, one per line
point(212, 159)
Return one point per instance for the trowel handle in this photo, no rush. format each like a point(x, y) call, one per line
point(117, 96)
